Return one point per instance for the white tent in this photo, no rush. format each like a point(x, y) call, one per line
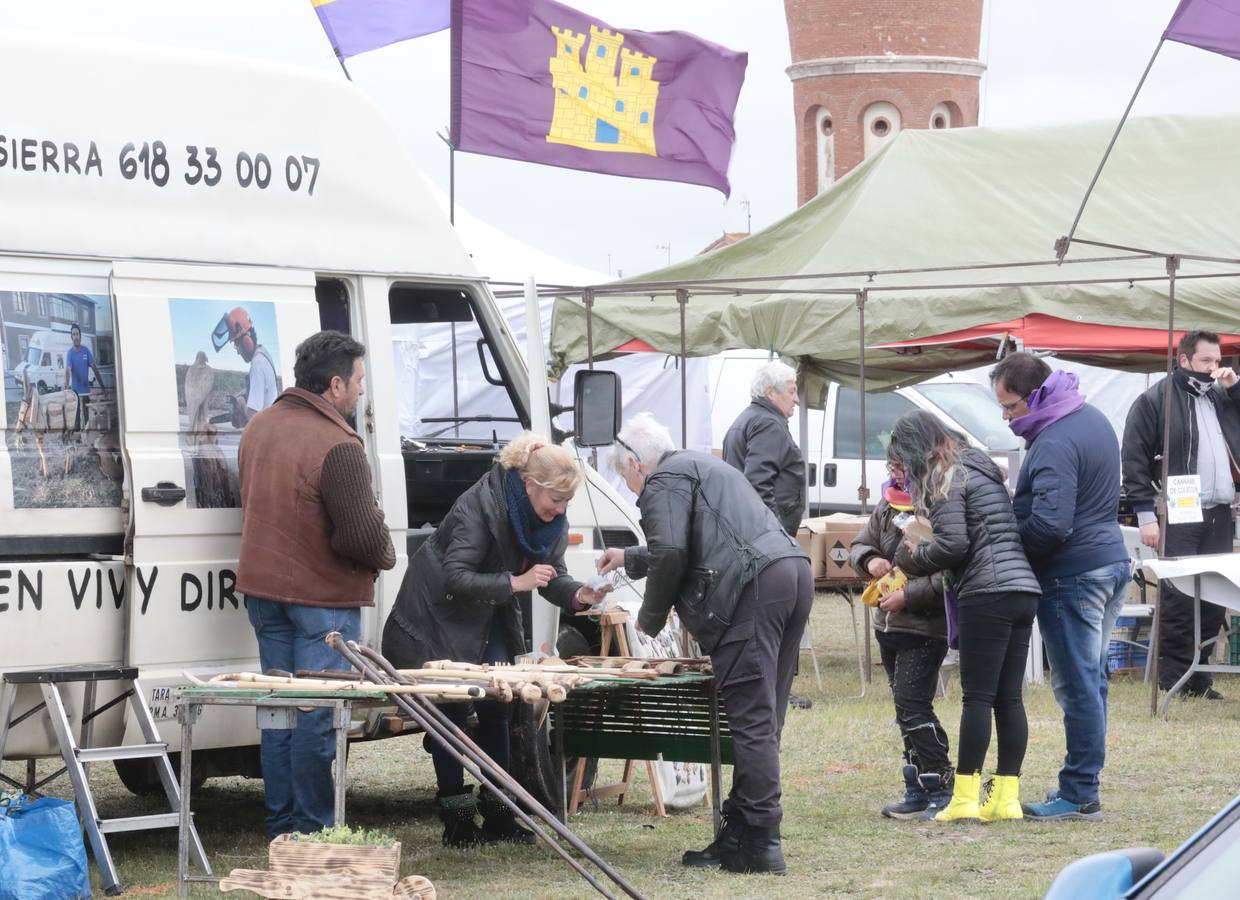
point(650, 381)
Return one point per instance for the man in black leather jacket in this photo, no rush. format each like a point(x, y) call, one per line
point(743, 588)
point(760, 444)
point(1205, 441)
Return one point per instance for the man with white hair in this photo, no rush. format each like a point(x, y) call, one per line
point(760, 444)
point(743, 588)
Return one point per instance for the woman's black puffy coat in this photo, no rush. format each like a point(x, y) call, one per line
point(975, 534)
point(461, 576)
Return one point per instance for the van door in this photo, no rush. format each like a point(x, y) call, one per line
point(198, 350)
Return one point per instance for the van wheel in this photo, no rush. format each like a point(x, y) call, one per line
point(141, 778)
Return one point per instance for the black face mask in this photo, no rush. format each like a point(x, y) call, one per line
point(1197, 384)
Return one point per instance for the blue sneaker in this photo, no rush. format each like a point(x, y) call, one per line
point(1057, 809)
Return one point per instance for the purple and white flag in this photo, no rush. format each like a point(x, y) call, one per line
point(1212, 25)
point(356, 26)
point(538, 81)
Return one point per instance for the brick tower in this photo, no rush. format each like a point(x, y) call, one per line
point(862, 70)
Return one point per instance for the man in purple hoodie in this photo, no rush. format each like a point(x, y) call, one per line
point(1067, 507)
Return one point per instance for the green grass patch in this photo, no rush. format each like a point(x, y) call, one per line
point(1164, 779)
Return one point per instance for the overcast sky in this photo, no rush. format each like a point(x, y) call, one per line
point(1049, 61)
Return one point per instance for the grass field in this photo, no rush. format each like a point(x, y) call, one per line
point(1164, 778)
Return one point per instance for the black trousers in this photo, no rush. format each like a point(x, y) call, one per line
point(912, 662)
point(1175, 639)
point(994, 643)
point(754, 664)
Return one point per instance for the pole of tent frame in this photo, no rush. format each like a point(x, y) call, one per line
point(802, 397)
point(682, 300)
point(587, 300)
point(863, 491)
point(1160, 507)
point(1065, 243)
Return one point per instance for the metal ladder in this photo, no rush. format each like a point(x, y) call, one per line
point(78, 754)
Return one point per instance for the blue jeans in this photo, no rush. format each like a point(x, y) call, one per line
point(297, 763)
point(1076, 616)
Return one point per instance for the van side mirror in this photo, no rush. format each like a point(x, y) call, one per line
point(596, 408)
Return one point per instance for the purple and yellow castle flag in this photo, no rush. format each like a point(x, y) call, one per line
point(355, 26)
point(538, 81)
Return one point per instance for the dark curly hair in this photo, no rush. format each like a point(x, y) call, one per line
point(323, 356)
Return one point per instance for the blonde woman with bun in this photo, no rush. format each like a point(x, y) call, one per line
point(461, 599)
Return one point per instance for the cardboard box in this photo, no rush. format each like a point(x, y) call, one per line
point(805, 537)
point(829, 539)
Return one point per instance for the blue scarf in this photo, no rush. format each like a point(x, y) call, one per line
point(535, 537)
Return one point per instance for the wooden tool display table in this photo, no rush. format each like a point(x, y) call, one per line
point(676, 716)
point(271, 711)
point(612, 624)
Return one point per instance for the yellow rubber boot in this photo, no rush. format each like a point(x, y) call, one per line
point(1004, 800)
point(964, 806)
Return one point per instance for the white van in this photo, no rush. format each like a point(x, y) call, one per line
point(179, 194)
point(833, 461)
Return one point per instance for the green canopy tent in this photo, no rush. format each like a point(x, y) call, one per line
point(945, 230)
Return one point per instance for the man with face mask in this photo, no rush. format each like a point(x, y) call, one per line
point(1205, 440)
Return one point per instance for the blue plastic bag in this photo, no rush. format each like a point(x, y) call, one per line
point(41, 852)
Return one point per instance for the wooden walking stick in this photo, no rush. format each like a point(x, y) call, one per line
point(480, 765)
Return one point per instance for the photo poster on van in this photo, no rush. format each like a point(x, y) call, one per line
point(60, 421)
point(227, 359)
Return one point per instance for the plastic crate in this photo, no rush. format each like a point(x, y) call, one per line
point(1130, 641)
point(1233, 641)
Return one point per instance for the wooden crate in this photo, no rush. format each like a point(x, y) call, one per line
point(300, 870)
point(301, 857)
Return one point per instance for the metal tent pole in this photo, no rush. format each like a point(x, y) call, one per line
point(863, 491)
point(682, 300)
point(803, 430)
point(1062, 245)
point(1160, 505)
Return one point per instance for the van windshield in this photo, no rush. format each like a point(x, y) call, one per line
point(975, 409)
point(445, 392)
point(34, 356)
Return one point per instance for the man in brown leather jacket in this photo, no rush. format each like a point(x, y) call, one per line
point(312, 543)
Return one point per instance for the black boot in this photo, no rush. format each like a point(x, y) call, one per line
point(499, 823)
point(916, 795)
point(457, 811)
point(726, 843)
point(759, 851)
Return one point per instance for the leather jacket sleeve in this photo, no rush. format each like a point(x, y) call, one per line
point(762, 460)
point(561, 589)
point(666, 511)
point(462, 560)
point(1140, 453)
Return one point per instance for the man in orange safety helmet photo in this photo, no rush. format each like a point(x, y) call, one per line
point(261, 388)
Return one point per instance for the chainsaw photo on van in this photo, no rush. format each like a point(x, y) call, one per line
point(63, 446)
point(219, 391)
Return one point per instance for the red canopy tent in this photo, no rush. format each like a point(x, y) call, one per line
point(1085, 341)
